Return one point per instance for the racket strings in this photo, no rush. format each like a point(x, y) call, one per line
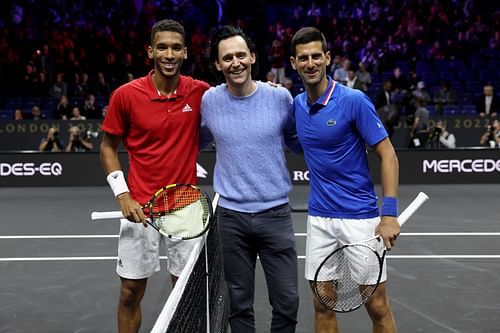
point(181, 211)
point(348, 278)
point(172, 199)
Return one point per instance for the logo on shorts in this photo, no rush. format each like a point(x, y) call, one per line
point(120, 263)
point(331, 122)
point(187, 108)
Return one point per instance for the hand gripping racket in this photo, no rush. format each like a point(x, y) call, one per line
point(348, 277)
point(179, 211)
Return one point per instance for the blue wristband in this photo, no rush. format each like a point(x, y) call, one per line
point(389, 206)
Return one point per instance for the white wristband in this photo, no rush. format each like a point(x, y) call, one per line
point(117, 182)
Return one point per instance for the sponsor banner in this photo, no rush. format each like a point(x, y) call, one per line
point(458, 166)
point(452, 166)
point(50, 169)
point(71, 169)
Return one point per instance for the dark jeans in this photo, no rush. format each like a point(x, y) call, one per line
point(268, 234)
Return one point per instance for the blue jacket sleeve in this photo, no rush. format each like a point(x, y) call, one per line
point(290, 130)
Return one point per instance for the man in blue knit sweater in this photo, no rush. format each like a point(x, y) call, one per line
point(251, 122)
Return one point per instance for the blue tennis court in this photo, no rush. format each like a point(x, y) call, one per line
point(58, 268)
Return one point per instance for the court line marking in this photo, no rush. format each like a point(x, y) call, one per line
point(299, 234)
point(56, 236)
point(435, 234)
point(445, 256)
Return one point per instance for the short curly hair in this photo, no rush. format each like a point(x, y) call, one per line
point(167, 25)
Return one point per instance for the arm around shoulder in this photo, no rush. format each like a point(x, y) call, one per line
point(290, 130)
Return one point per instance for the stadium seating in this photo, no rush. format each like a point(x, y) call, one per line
point(13, 103)
point(6, 115)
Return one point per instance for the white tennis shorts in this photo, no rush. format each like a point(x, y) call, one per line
point(139, 251)
point(324, 235)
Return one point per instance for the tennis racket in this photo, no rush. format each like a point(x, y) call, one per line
point(178, 211)
point(348, 277)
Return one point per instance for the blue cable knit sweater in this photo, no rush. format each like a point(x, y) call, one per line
point(250, 135)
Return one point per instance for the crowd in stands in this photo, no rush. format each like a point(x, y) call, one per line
point(62, 59)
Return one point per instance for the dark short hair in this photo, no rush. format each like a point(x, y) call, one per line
point(307, 35)
point(226, 32)
point(167, 25)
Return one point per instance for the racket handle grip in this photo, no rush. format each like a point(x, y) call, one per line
point(106, 215)
point(412, 207)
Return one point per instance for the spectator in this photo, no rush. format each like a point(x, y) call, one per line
point(436, 52)
point(336, 64)
point(374, 11)
point(104, 110)
point(386, 109)
point(314, 11)
point(127, 66)
point(488, 103)
point(112, 69)
point(413, 79)
point(29, 77)
point(446, 95)
point(52, 142)
point(36, 113)
point(63, 108)
point(40, 85)
point(364, 77)
point(199, 41)
point(76, 114)
point(420, 126)
point(77, 143)
point(400, 88)
point(277, 58)
point(198, 69)
point(102, 87)
point(494, 42)
point(353, 82)
point(288, 84)
point(18, 114)
point(59, 87)
point(90, 109)
point(491, 136)
point(371, 61)
point(367, 50)
point(45, 62)
point(297, 19)
point(340, 74)
point(441, 138)
point(270, 76)
point(420, 93)
point(82, 85)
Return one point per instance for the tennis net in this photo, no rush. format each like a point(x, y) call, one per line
point(199, 302)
